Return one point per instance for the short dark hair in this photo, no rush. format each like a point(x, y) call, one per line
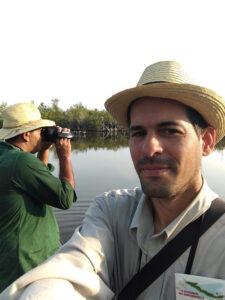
point(196, 119)
point(12, 139)
point(193, 115)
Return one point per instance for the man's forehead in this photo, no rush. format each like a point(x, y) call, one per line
point(140, 126)
point(155, 101)
point(150, 106)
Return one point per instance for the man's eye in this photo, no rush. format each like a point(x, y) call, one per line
point(137, 133)
point(170, 131)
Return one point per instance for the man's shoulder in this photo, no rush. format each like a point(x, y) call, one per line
point(26, 156)
point(115, 206)
point(15, 154)
point(27, 159)
point(123, 193)
point(121, 197)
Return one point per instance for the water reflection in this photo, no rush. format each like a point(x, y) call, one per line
point(84, 141)
point(102, 140)
point(102, 163)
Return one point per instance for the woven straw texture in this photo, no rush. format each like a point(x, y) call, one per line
point(167, 80)
point(21, 117)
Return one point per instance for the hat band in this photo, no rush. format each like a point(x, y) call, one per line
point(24, 124)
point(150, 82)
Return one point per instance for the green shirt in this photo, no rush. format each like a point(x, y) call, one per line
point(29, 231)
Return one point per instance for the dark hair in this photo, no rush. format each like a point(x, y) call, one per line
point(196, 119)
point(193, 115)
point(12, 139)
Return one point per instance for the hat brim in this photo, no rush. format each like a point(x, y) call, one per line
point(7, 133)
point(209, 104)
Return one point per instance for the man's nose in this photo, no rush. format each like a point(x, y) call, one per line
point(152, 145)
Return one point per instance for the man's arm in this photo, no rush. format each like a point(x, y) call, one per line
point(36, 180)
point(63, 150)
point(43, 154)
point(81, 269)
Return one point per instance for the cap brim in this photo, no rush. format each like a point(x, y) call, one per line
point(7, 133)
point(209, 104)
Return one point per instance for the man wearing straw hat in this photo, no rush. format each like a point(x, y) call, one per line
point(29, 232)
point(173, 123)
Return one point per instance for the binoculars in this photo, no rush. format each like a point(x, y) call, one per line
point(50, 134)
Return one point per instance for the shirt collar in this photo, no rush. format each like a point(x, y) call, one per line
point(142, 220)
point(196, 208)
point(139, 211)
point(9, 145)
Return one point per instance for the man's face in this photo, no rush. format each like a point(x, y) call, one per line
point(35, 140)
point(165, 148)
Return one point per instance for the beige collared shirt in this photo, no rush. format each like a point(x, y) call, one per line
point(114, 242)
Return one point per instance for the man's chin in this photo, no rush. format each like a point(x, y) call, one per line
point(155, 182)
point(160, 190)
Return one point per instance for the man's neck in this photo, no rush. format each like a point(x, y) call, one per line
point(166, 210)
point(19, 145)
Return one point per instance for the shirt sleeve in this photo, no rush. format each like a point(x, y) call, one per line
point(34, 178)
point(81, 268)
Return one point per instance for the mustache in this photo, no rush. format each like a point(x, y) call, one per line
point(146, 160)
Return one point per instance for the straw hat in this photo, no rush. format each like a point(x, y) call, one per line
point(166, 79)
point(19, 118)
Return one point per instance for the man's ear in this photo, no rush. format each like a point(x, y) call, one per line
point(26, 136)
point(208, 137)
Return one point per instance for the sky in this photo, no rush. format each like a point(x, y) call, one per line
point(87, 50)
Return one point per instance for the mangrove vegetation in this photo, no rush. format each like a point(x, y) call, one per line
point(82, 120)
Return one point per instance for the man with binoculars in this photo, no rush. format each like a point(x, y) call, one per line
point(29, 231)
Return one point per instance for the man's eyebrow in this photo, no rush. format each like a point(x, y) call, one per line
point(168, 123)
point(135, 127)
point(161, 124)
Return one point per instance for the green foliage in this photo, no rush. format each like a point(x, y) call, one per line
point(77, 117)
point(3, 105)
point(221, 144)
point(96, 141)
point(53, 112)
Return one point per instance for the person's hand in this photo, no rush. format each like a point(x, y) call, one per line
point(63, 149)
point(43, 152)
point(63, 146)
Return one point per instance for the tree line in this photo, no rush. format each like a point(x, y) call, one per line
point(78, 117)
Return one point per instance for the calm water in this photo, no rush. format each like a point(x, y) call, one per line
point(99, 169)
